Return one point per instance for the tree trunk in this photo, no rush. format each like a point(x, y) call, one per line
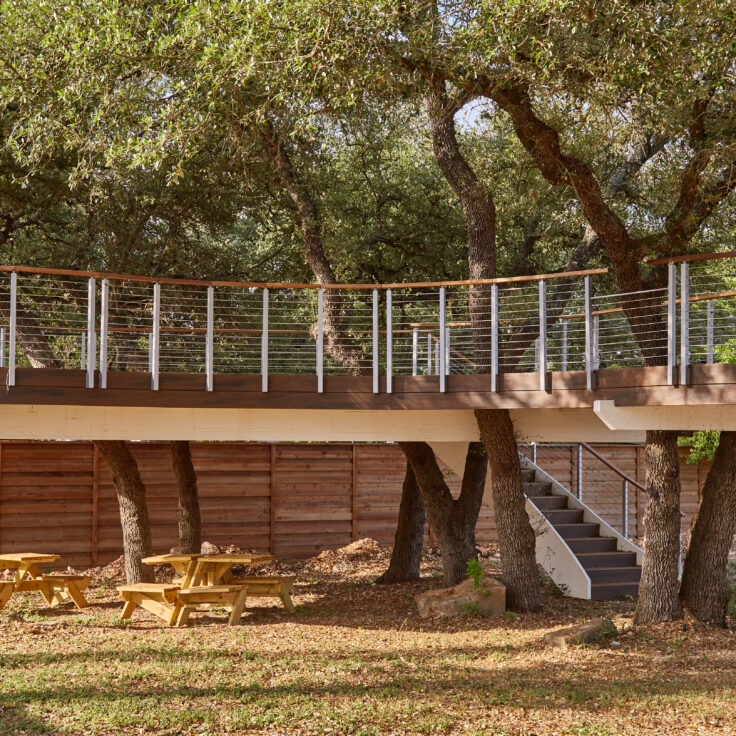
point(658, 599)
point(516, 538)
point(704, 589)
point(188, 515)
point(453, 521)
point(133, 510)
point(406, 555)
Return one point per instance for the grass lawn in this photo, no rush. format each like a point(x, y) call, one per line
point(356, 659)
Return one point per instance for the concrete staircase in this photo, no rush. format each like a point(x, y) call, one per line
point(607, 559)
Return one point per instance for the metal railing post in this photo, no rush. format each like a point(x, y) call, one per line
point(625, 508)
point(13, 318)
point(534, 452)
point(156, 336)
point(104, 330)
point(684, 323)
point(671, 323)
point(448, 362)
point(376, 343)
point(430, 353)
point(414, 351)
point(320, 341)
point(709, 329)
point(150, 352)
point(589, 363)
point(2, 347)
point(563, 340)
point(83, 351)
point(596, 342)
point(543, 384)
point(437, 362)
point(443, 339)
point(264, 342)
point(209, 343)
point(579, 479)
point(389, 341)
point(91, 333)
point(494, 337)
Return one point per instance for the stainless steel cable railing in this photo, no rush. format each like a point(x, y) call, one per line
point(540, 324)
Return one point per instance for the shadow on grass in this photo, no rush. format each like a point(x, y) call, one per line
point(15, 720)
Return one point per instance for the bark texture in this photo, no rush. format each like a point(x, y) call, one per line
point(516, 537)
point(133, 510)
point(704, 589)
point(658, 599)
point(406, 556)
point(188, 513)
point(453, 521)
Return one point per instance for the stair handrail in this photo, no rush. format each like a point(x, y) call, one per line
point(613, 467)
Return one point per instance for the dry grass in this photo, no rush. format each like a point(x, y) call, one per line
point(356, 659)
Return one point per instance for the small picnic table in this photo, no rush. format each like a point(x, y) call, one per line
point(28, 577)
point(205, 580)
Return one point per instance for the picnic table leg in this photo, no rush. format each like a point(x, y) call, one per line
point(238, 606)
point(128, 609)
point(5, 592)
point(285, 595)
point(76, 595)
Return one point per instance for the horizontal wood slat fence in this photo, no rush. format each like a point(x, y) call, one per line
point(294, 500)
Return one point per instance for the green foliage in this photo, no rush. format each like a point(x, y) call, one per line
point(703, 446)
point(474, 572)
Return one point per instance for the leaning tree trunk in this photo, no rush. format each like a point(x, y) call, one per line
point(188, 514)
point(704, 589)
point(452, 521)
point(133, 510)
point(658, 599)
point(406, 555)
point(516, 538)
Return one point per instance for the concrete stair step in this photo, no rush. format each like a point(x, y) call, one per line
point(528, 476)
point(547, 503)
point(591, 543)
point(628, 574)
point(577, 531)
point(537, 489)
point(612, 591)
point(564, 516)
point(592, 560)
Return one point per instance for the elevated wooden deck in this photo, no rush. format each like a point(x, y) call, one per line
point(627, 387)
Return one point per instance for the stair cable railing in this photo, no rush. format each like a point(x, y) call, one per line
point(558, 322)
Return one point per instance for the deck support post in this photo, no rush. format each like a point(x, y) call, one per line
point(320, 341)
point(443, 340)
point(156, 336)
point(414, 350)
point(543, 358)
point(589, 361)
point(709, 325)
point(13, 319)
point(684, 323)
point(494, 337)
point(264, 342)
point(625, 508)
point(104, 330)
point(389, 341)
point(376, 344)
point(209, 347)
point(671, 323)
point(91, 333)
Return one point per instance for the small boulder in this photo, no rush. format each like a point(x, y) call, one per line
point(581, 634)
point(488, 600)
point(208, 548)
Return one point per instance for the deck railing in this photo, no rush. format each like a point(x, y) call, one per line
point(533, 324)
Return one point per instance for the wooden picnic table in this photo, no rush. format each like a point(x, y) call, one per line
point(28, 577)
point(198, 569)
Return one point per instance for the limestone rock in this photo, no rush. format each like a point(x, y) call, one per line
point(490, 600)
point(580, 634)
point(209, 549)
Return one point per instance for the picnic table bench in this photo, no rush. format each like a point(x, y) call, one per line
point(28, 577)
point(204, 580)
